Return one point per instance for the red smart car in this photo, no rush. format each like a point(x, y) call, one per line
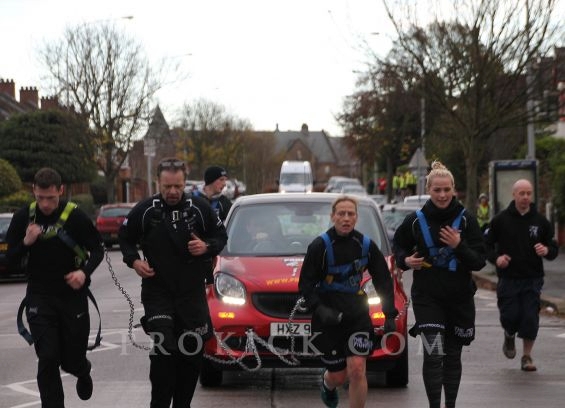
point(253, 302)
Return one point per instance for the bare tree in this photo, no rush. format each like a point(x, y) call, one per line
point(381, 120)
point(210, 135)
point(474, 61)
point(103, 75)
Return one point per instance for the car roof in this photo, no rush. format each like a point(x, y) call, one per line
point(422, 198)
point(403, 206)
point(118, 205)
point(284, 198)
point(353, 187)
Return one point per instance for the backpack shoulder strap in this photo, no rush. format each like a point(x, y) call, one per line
point(32, 207)
point(69, 207)
point(457, 220)
point(329, 249)
point(426, 233)
point(366, 243)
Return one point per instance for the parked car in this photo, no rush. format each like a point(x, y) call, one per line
point(354, 189)
point(256, 287)
point(7, 272)
point(192, 185)
point(335, 183)
point(380, 199)
point(109, 219)
point(416, 199)
point(394, 214)
point(233, 189)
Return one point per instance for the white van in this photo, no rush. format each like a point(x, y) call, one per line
point(296, 177)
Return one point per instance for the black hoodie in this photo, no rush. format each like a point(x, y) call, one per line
point(514, 234)
point(470, 253)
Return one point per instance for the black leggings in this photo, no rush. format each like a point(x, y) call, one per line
point(173, 377)
point(441, 368)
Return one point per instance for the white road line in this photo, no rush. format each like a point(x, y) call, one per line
point(137, 309)
point(19, 387)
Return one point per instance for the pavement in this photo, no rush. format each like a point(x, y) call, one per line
point(553, 292)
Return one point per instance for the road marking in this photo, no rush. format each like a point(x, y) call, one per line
point(19, 387)
point(137, 309)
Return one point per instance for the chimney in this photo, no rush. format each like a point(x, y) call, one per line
point(8, 87)
point(49, 102)
point(29, 96)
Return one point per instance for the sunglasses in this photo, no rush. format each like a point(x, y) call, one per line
point(171, 164)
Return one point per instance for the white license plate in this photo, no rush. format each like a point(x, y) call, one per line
point(291, 329)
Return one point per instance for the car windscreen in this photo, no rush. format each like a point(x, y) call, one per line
point(277, 229)
point(4, 224)
point(295, 178)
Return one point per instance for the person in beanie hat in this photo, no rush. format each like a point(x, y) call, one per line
point(215, 178)
point(214, 173)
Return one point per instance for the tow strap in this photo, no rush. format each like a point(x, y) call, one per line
point(24, 332)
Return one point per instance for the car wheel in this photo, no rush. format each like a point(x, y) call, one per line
point(398, 376)
point(210, 376)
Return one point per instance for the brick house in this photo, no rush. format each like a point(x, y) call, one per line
point(29, 101)
point(328, 155)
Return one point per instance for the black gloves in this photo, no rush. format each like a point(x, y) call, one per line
point(389, 326)
point(328, 316)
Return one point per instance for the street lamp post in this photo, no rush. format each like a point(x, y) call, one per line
point(149, 147)
point(421, 157)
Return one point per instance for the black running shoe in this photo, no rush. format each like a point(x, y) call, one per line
point(84, 386)
point(509, 346)
point(329, 397)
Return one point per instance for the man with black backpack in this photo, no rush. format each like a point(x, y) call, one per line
point(61, 249)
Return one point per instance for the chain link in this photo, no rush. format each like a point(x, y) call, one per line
point(128, 298)
point(251, 336)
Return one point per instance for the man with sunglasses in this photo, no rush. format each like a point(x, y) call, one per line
point(177, 234)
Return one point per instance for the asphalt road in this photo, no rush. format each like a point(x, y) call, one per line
point(120, 370)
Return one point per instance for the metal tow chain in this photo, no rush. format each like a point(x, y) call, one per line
point(128, 298)
point(296, 307)
point(251, 348)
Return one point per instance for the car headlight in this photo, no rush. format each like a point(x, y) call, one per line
point(372, 295)
point(230, 289)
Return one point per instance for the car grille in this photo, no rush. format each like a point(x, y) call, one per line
point(278, 305)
